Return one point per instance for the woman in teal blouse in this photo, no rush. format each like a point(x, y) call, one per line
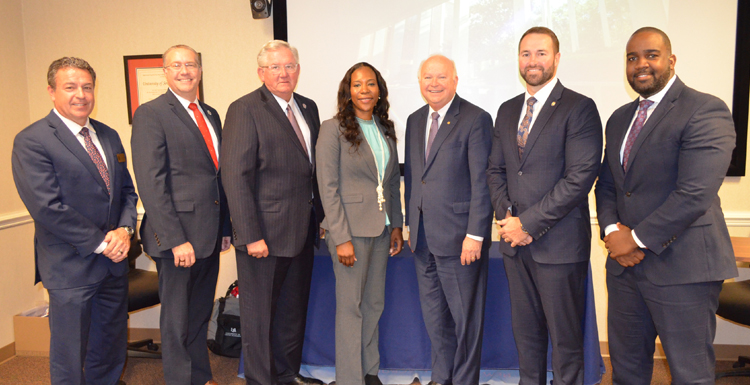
point(359, 180)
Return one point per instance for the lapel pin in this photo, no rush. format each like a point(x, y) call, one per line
point(448, 123)
point(304, 105)
point(553, 103)
point(209, 112)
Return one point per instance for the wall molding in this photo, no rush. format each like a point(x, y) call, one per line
point(13, 219)
point(19, 218)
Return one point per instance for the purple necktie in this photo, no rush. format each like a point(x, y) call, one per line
point(433, 132)
point(295, 125)
point(635, 130)
point(96, 157)
point(523, 130)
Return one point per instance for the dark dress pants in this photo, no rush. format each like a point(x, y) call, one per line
point(187, 297)
point(273, 310)
point(89, 332)
point(683, 316)
point(452, 298)
point(547, 299)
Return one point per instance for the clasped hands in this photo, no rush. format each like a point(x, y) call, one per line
point(622, 247)
point(345, 251)
point(511, 231)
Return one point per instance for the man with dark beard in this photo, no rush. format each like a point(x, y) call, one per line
point(660, 216)
point(546, 149)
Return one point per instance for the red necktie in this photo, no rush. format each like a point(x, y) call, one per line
point(204, 131)
point(640, 120)
point(96, 157)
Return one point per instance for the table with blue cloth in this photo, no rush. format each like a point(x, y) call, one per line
point(404, 344)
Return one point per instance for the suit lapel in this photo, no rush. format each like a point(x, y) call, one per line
point(621, 129)
point(74, 146)
point(184, 116)
point(450, 121)
point(666, 104)
point(421, 132)
point(311, 124)
point(368, 154)
point(541, 120)
point(272, 106)
point(517, 105)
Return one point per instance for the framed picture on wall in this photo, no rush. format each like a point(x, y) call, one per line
point(145, 81)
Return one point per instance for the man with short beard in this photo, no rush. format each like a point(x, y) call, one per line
point(661, 219)
point(545, 156)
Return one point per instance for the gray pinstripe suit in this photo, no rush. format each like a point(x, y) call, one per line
point(273, 195)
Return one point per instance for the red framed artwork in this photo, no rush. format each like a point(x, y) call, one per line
point(145, 81)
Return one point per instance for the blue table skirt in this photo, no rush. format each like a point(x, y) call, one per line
point(404, 344)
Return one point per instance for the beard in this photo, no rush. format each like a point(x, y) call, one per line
point(537, 80)
point(648, 89)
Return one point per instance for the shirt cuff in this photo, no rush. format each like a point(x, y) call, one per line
point(474, 237)
point(638, 241)
point(101, 247)
point(610, 229)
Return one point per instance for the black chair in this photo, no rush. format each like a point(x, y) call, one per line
point(143, 292)
point(734, 305)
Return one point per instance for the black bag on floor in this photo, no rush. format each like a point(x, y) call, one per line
point(224, 336)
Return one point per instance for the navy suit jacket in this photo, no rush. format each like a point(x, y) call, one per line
point(68, 200)
point(269, 179)
point(450, 188)
point(177, 181)
point(669, 195)
point(548, 188)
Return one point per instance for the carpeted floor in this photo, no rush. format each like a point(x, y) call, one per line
point(148, 371)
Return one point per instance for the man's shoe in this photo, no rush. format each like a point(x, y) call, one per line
point(372, 379)
point(302, 380)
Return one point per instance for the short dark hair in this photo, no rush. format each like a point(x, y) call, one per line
point(68, 62)
point(664, 37)
point(542, 31)
point(183, 46)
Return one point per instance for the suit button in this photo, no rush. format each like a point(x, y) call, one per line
point(423, 182)
point(419, 208)
point(111, 227)
point(627, 194)
point(216, 202)
point(520, 173)
point(515, 203)
point(310, 201)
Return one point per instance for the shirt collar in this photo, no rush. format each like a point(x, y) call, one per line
point(441, 112)
point(185, 103)
point(74, 127)
point(657, 97)
point(283, 103)
point(542, 95)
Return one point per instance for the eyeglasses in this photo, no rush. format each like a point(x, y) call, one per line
point(190, 66)
point(276, 69)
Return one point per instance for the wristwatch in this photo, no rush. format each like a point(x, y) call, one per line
point(129, 229)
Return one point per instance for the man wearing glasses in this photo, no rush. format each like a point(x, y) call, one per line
point(176, 140)
point(268, 161)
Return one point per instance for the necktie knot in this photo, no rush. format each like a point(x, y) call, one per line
point(531, 101)
point(84, 131)
point(193, 107)
point(645, 104)
point(435, 116)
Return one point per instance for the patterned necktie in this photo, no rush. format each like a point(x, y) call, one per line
point(96, 157)
point(204, 131)
point(297, 130)
point(640, 120)
point(433, 132)
point(523, 130)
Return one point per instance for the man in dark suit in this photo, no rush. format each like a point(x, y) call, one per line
point(268, 161)
point(175, 144)
point(546, 152)
point(657, 201)
point(449, 214)
point(72, 175)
